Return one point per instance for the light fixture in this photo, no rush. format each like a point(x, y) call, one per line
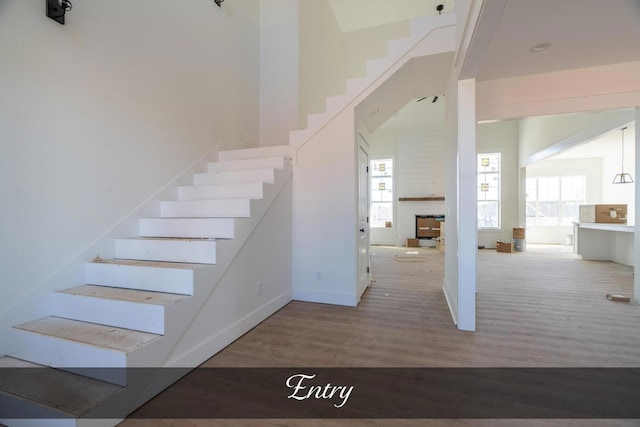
point(622, 177)
point(540, 47)
point(57, 8)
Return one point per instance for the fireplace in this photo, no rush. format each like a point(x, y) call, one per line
point(428, 226)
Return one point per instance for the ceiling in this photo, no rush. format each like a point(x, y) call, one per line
point(582, 33)
point(603, 146)
point(358, 14)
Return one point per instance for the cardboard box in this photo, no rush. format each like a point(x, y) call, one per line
point(503, 246)
point(440, 245)
point(413, 243)
point(518, 233)
point(609, 214)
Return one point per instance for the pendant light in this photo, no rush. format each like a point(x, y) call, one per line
point(622, 177)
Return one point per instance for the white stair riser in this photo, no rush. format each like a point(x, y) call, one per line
point(253, 153)
point(376, 67)
point(297, 137)
point(245, 190)
point(256, 175)
point(259, 163)
point(231, 208)
point(122, 314)
point(158, 279)
point(190, 251)
point(316, 120)
point(218, 228)
point(62, 353)
point(357, 84)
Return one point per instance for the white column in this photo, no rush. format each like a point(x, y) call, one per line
point(467, 205)
point(636, 242)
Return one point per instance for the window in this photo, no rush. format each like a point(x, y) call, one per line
point(489, 191)
point(381, 193)
point(554, 200)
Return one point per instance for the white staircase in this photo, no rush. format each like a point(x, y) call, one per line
point(132, 309)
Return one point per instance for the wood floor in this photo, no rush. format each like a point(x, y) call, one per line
point(539, 308)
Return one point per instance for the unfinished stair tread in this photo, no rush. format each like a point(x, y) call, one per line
point(129, 295)
point(173, 239)
point(62, 391)
point(109, 337)
point(150, 264)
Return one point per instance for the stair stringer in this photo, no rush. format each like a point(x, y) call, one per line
point(204, 324)
point(398, 49)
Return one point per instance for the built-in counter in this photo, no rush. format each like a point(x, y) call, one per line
point(604, 242)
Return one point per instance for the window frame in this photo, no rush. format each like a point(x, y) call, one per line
point(481, 174)
point(373, 187)
point(560, 201)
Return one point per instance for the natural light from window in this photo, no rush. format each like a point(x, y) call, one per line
point(554, 200)
point(488, 191)
point(381, 193)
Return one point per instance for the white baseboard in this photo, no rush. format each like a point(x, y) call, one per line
point(323, 297)
point(447, 297)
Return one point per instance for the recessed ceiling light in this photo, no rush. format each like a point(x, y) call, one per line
point(540, 47)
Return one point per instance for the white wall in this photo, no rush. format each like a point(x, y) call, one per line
point(502, 137)
point(369, 43)
point(329, 56)
point(324, 216)
point(100, 113)
point(323, 63)
point(279, 58)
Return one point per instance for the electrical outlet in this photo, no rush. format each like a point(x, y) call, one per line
point(259, 288)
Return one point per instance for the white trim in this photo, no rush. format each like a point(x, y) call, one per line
point(451, 310)
point(325, 297)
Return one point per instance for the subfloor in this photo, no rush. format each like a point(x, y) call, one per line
point(539, 308)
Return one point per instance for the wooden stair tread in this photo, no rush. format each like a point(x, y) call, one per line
point(109, 337)
point(123, 294)
point(63, 391)
point(151, 264)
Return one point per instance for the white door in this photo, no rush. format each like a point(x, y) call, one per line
point(363, 220)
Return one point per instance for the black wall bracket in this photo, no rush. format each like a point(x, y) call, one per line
point(218, 2)
point(57, 8)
